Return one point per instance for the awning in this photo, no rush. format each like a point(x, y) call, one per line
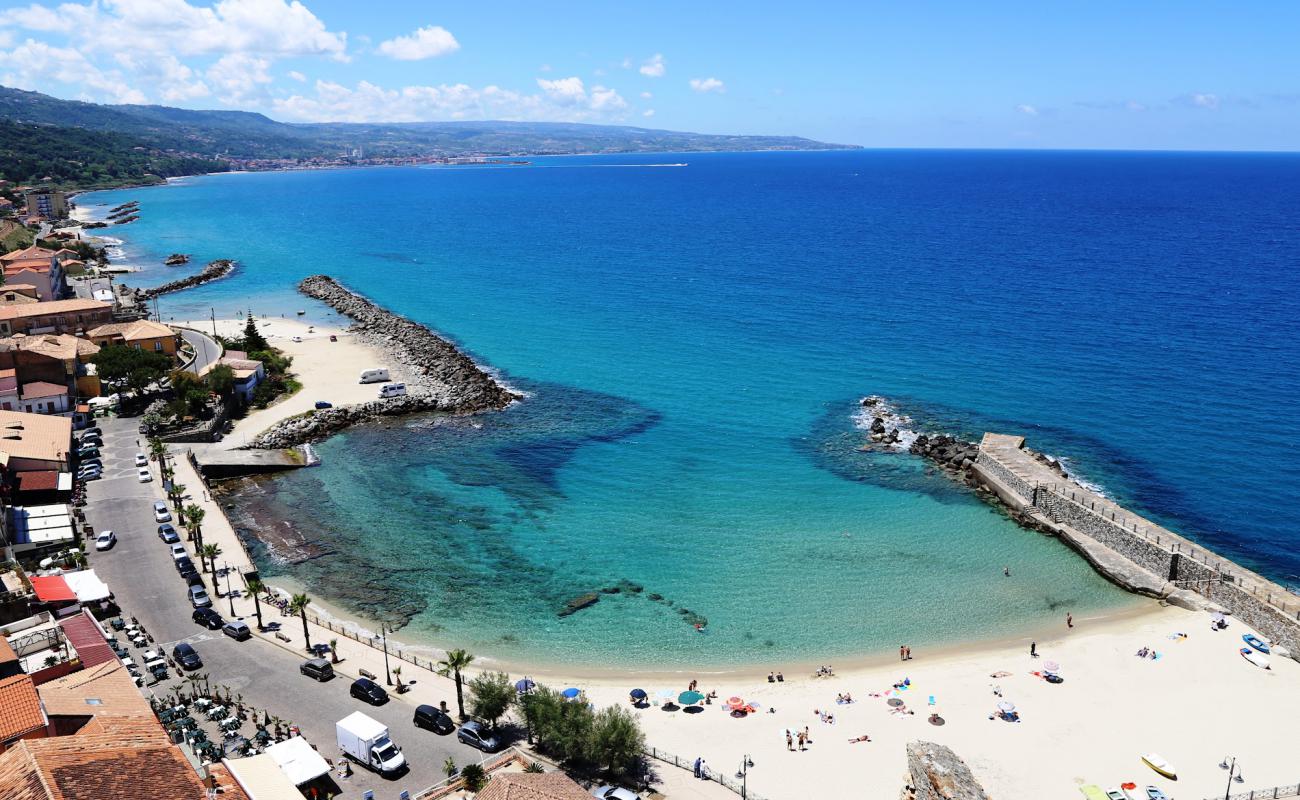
point(52, 589)
point(261, 778)
point(86, 585)
point(87, 638)
point(299, 762)
point(65, 481)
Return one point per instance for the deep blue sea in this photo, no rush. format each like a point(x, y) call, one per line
point(694, 340)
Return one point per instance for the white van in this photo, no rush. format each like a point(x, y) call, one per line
point(376, 375)
point(392, 390)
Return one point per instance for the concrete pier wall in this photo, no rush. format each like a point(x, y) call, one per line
point(1175, 565)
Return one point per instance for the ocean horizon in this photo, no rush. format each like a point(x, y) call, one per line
point(693, 342)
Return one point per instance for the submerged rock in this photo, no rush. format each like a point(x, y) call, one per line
point(580, 602)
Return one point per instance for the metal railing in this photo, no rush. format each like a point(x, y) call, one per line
point(374, 642)
point(1261, 794)
point(709, 774)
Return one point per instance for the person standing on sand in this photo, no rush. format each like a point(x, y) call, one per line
point(1069, 620)
point(1033, 649)
point(789, 741)
point(902, 653)
point(802, 741)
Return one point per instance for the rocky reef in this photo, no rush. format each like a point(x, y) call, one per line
point(439, 377)
point(213, 271)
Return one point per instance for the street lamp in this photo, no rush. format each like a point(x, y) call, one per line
point(1234, 773)
point(228, 594)
point(743, 774)
point(383, 632)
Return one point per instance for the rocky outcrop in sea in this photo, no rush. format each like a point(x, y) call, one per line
point(439, 377)
point(214, 271)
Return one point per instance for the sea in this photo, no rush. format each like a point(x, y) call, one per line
point(693, 334)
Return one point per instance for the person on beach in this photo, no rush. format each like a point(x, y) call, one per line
point(771, 677)
point(1033, 649)
point(698, 762)
point(780, 678)
point(803, 741)
point(789, 741)
point(1069, 620)
point(862, 738)
point(902, 653)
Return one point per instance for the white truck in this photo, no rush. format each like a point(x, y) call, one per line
point(366, 741)
point(375, 375)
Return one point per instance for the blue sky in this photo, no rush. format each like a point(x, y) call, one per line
point(1151, 74)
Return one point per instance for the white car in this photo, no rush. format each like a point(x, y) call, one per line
point(178, 552)
point(160, 512)
point(144, 475)
point(614, 793)
point(141, 460)
point(104, 540)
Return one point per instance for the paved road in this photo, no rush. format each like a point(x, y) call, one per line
point(146, 585)
point(206, 349)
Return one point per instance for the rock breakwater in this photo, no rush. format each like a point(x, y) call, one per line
point(439, 377)
point(213, 271)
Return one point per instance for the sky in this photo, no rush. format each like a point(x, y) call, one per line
point(1139, 74)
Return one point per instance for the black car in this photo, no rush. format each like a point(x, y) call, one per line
point(369, 691)
point(432, 718)
point(186, 656)
point(208, 618)
point(185, 565)
point(317, 668)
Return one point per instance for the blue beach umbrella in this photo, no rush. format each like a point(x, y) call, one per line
point(524, 685)
point(638, 694)
point(571, 692)
point(689, 698)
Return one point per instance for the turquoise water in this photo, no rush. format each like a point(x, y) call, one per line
point(693, 341)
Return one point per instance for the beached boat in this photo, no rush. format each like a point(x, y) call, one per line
point(1093, 792)
point(1255, 642)
point(1254, 658)
point(1155, 794)
point(1160, 765)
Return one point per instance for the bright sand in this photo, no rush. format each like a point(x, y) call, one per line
point(327, 370)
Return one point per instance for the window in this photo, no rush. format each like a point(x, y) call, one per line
point(157, 346)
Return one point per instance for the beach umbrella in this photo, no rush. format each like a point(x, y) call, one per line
point(665, 694)
point(1051, 666)
point(735, 702)
point(524, 685)
point(689, 698)
point(1006, 706)
point(638, 694)
point(571, 692)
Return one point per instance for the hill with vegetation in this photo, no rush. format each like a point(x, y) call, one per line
point(70, 156)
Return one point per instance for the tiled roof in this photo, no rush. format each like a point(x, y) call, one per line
point(131, 331)
point(7, 653)
point(27, 253)
point(42, 480)
point(42, 437)
point(63, 346)
point(532, 786)
point(103, 690)
point(87, 639)
point(96, 767)
point(31, 264)
point(38, 389)
point(51, 307)
point(20, 708)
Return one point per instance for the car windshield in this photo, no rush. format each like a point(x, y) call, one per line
point(385, 749)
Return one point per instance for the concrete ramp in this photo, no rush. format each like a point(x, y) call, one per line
point(216, 463)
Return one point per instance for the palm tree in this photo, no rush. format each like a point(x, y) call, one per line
point(455, 661)
point(210, 552)
point(298, 605)
point(193, 515)
point(254, 587)
point(157, 449)
point(449, 767)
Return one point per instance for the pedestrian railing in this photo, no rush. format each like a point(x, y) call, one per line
point(709, 774)
point(375, 642)
point(1264, 794)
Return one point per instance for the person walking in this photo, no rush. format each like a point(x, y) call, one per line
point(1033, 649)
point(1069, 620)
point(902, 652)
point(698, 763)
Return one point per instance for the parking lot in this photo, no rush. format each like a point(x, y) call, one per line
point(140, 571)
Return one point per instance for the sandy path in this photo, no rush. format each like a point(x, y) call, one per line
point(328, 370)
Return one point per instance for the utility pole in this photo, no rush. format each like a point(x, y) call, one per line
point(383, 632)
point(214, 321)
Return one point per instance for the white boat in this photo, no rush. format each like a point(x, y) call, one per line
point(1161, 765)
point(1254, 657)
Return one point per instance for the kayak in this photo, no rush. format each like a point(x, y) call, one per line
point(1255, 642)
point(1093, 792)
point(1254, 658)
point(1160, 765)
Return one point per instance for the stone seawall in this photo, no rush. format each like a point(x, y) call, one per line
point(216, 270)
point(439, 377)
point(1136, 552)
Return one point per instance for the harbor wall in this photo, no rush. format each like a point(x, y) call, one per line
point(1175, 564)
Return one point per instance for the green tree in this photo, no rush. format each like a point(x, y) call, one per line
point(298, 605)
point(255, 588)
point(221, 379)
point(449, 767)
point(492, 693)
point(254, 341)
point(133, 367)
point(191, 392)
point(616, 740)
point(211, 552)
point(541, 712)
point(456, 661)
point(194, 514)
point(473, 776)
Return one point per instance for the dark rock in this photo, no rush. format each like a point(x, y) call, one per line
point(214, 271)
point(580, 602)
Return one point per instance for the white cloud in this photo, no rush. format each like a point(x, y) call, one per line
point(1027, 110)
point(1207, 101)
point(649, 112)
point(172, 80)
point(545, 68)
point(1133, 105)
point(565, 91)
point(31, 65)
point(427, 42)
point(704, 85)
point(240, 78)
point(297, 76)
point(647, 95)
point(654, 67)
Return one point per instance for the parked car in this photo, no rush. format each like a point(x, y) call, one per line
point(178, 551)
point(160, 512)
point(90, 476)
point(105, 540)
point(237, 630)
point(432, 718)
point(317, 668)
point(369, 691)
point(86, 472)
point(87, 452)
point(168, 534)
point(185, 655)
point(392, 390)
point(199, 597)
point(192, 578)
point(324, 404)
point(185, 567)
point(93, 430)
point(208, 618)
point(614, 793)
point(141, 460)
point(475, 735)
point(144, 475)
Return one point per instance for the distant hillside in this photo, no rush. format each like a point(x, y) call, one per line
point(244, 135)
point(79, 157)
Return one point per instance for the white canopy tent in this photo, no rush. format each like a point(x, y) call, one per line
point(299, 762)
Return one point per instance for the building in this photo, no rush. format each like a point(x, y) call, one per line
point(26, 254)
point(42, 397)
point(34, 442)
point(142, 334)
point(58, 316)
point(47, 203)
point(532, 786)
point(9, 389)
point(44, 273)
point(12, 293)
point(56, 358)
point(21, 713)
point(248, 374)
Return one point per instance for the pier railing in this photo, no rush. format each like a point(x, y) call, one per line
point(1225, 571)
point(394, 649)
point(710, 774)
point(1265, 794)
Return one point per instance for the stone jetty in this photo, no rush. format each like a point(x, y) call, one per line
point(213, 271)
point(439, 377)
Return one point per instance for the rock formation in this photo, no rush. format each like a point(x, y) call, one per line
point(937, 773)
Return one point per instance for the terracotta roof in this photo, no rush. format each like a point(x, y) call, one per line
point(87, 638)
point(41, 480)
point(96, 767)
point(27, 253)
point(103, 690)
point(20, 708)
point(38, 389)
point(28, 265)
point(51, 307)
point(63, 346)
point(52, 589)
point(532, 786)
point(7, 653)
point(131, 331)
point(41, 437)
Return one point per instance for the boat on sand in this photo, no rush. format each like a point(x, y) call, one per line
point(1160, 765)
point(1255, 658)
point(1255, 642)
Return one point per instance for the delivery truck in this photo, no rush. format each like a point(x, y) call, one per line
point(366, 741)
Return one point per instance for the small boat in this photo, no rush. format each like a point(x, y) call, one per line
point(1155, 794)
point(301, 313)
point(1254, 658)
point(1116, 794)
point(1093, 792)
point(1255, 642)
point(1160, 765)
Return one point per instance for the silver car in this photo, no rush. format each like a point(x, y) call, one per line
point(199, 597)
point(160, 512)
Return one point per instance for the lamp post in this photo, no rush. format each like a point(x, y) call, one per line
point(1234, 771)
point(383, 632)
point(226, 567)
point(743, 774)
